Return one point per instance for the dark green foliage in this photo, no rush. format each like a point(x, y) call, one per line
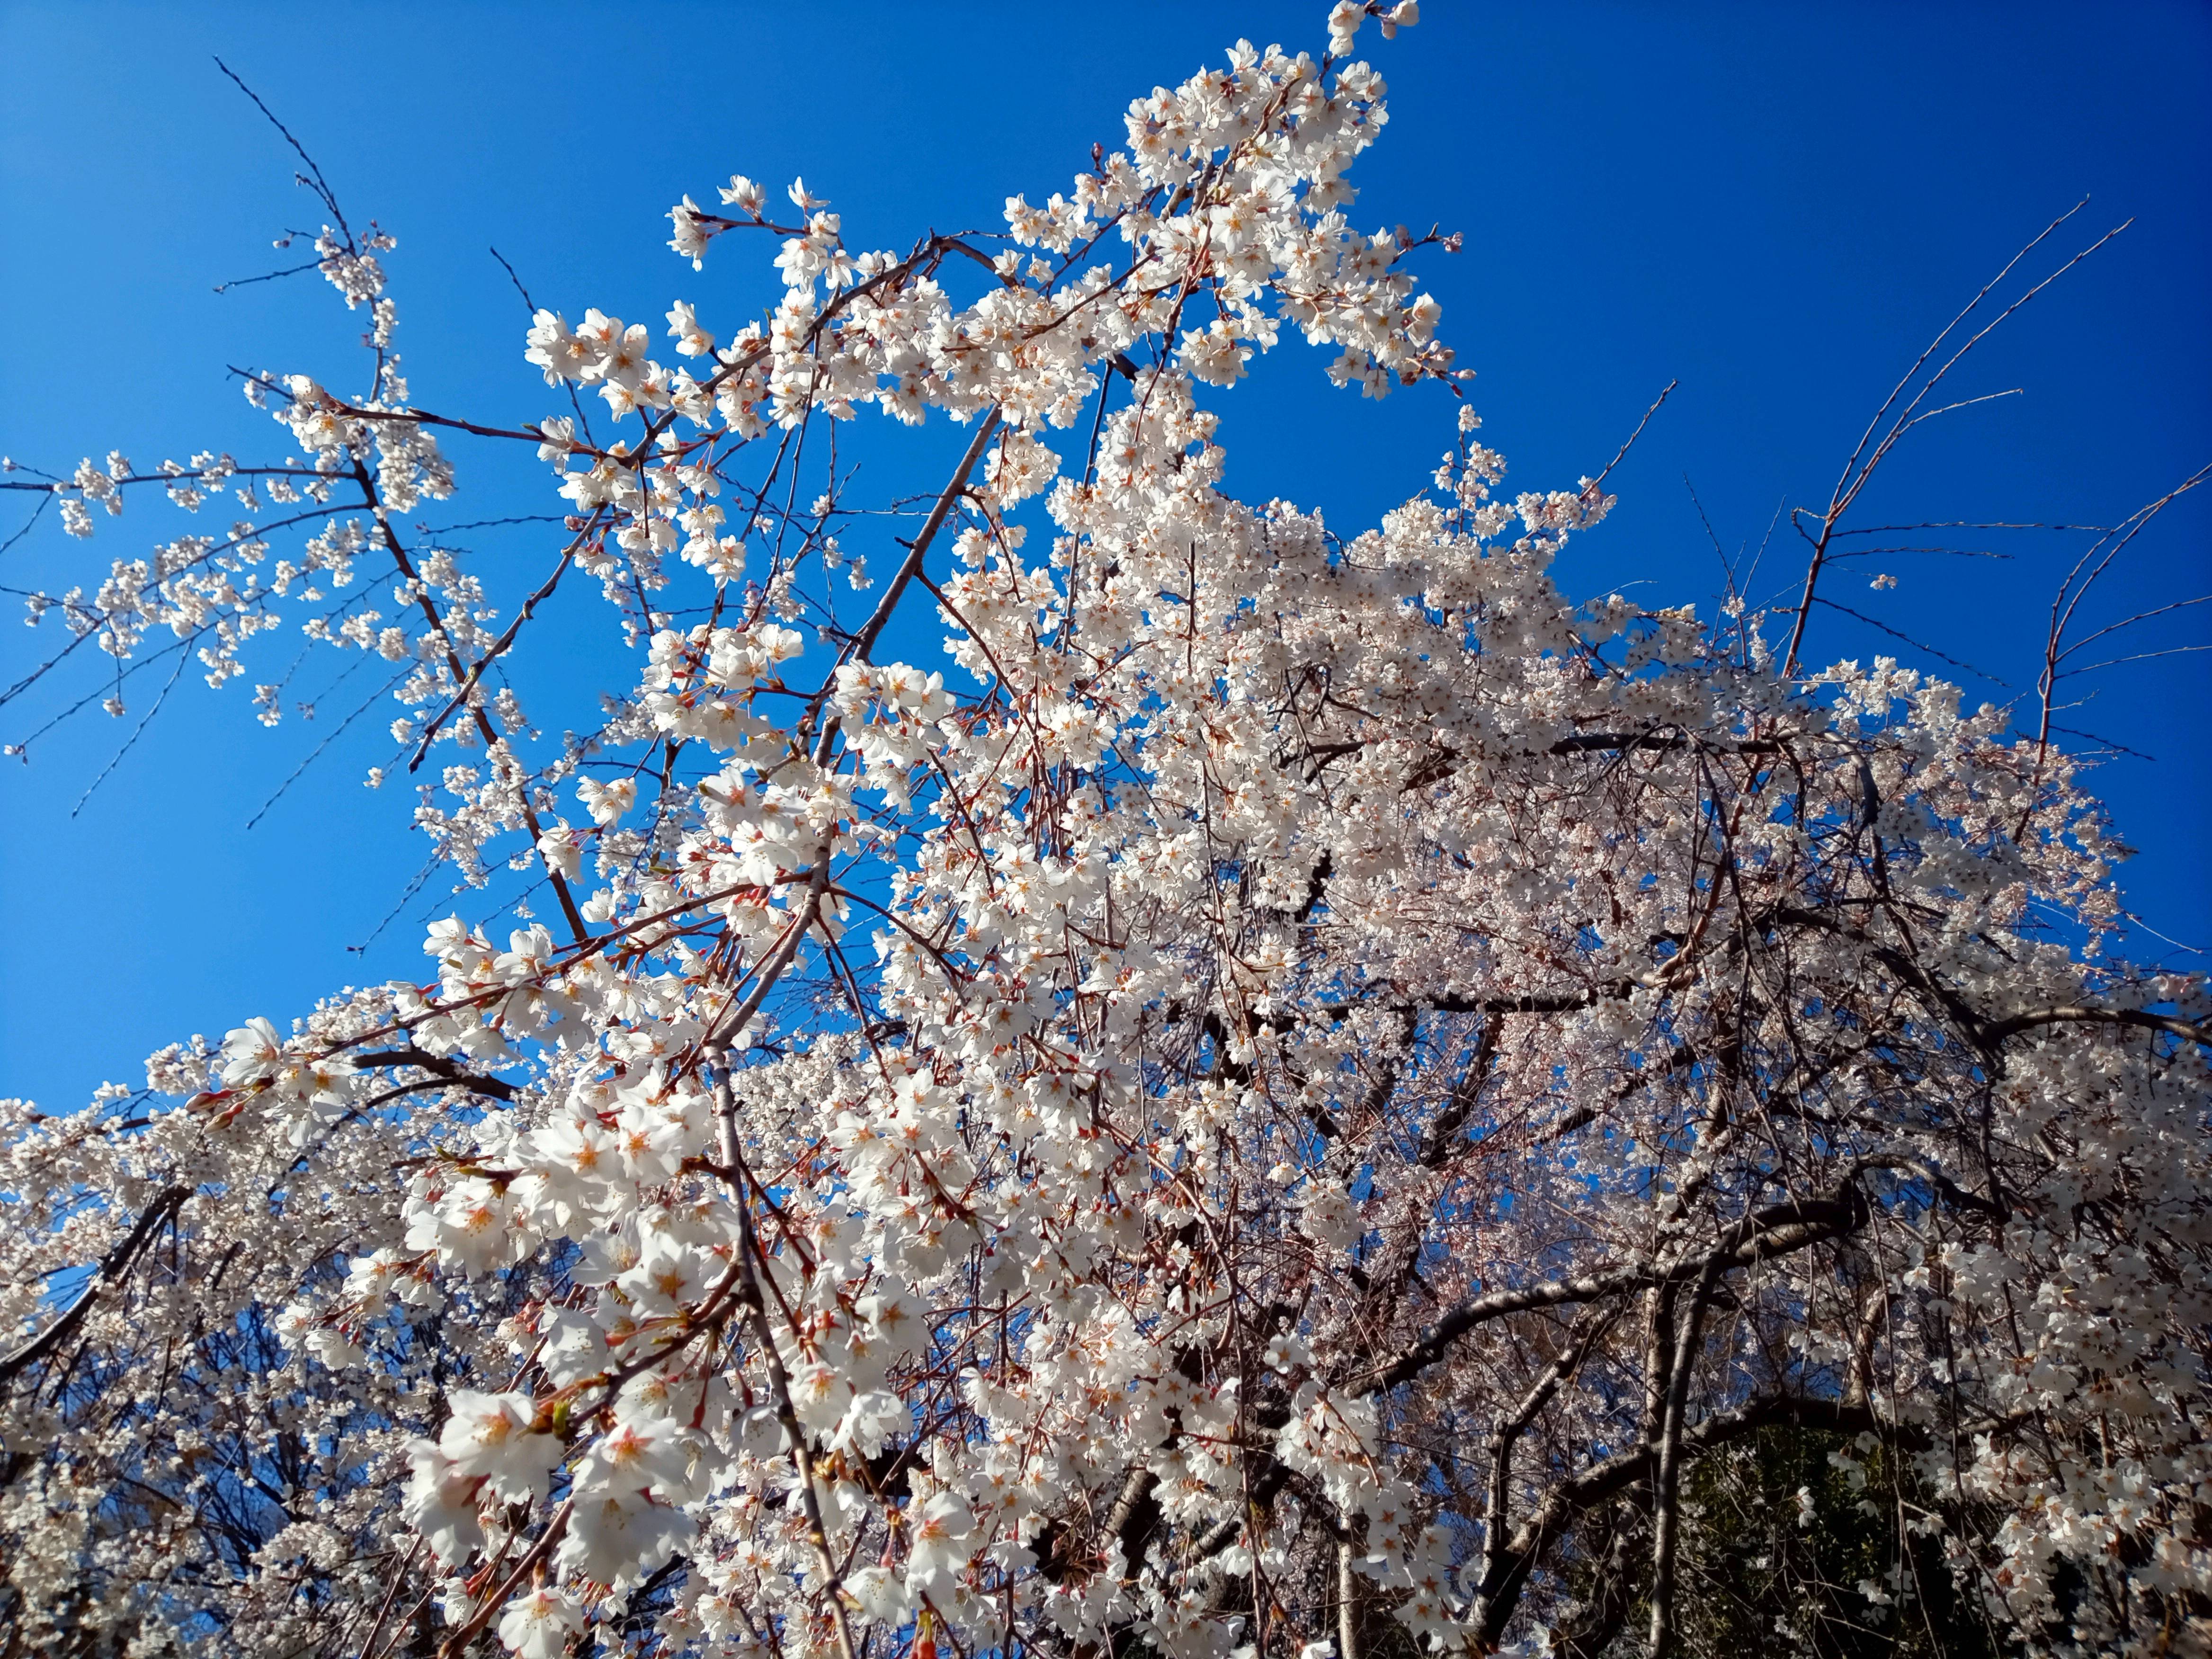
point(1761, 1573)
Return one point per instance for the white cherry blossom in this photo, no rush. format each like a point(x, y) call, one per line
point(1290, 1077)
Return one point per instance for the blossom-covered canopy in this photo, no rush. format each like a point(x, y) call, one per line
point(1291, 1087)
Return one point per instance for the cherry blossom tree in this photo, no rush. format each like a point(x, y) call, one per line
point(1293, 1094)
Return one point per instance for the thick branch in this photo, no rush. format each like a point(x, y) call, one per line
point(1667, 1509)
point(1997, 1031)
point(1511, 1431)
point(1501, 1591)
point(1585, 743)
point(1777, 1231)
point(113, 1267)
point(439, 1066)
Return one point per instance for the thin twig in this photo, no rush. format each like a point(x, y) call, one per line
point(1592, 487)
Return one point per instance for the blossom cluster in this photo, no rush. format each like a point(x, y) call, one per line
point(1272, 1090)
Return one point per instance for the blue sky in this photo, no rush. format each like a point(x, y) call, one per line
point(1776, 205)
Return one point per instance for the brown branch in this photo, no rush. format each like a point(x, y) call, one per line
point(864, 640)
point(1347, 1604)
point(1591, 488)
point(1779, 1230)
point(482, 721)
point(444, 1069)
point(113, 1267)
point(1666, 1508)
point(1862, 465)
point(2141, 1018)
point(1583, 743)
point(1511, 1431)
point(457, 1642)
point(499, 646)
point(749, 1292)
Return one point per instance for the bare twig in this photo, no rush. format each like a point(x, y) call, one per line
point(1591, 488)
point(1870, 451)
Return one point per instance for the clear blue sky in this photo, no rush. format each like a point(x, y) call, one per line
point(1775, 204)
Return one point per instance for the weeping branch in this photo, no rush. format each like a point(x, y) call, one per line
point(114, 1267)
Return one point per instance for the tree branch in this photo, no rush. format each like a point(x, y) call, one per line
point(113, 1267)
point(441, 1067)
point(1780, 1230)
